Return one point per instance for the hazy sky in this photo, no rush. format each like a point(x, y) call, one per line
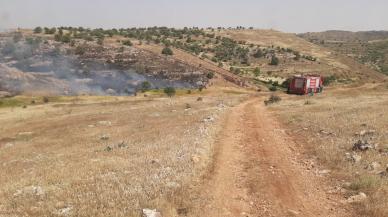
point(285, 15)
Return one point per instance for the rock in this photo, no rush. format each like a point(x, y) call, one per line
point(208, 119)
point(151, 213)
point(357, 198)
point(31, 190)
point(353, 157)
point(362, 146)
point(324, 172)
point(66, 211)
point(374, 167)
point(199, 99)
point(104, 137)
point(366, 132)
point(105, 123)
point(195, 159)
point(172, 185)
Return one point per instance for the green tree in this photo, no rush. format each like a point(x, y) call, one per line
point(274, 61)
point(210, 75)
point(38, 30)
point(167, 51)
point(145, 86)
point(170, 91)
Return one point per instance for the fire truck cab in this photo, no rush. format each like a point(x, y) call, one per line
point(305, 84)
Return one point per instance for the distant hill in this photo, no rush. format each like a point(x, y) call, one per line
point(368, 47)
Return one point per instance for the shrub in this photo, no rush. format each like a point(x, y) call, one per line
point(272, 99)
point(210, 75)
point(145, 86)
point(286, 83)
point(127, 43)
point(328, 80)
point(45, 99)
point(167, 51)
point(170, 91)
point(38, 30)
point(256, 72)
point(274, 61)
point(273, 88)
point(258, 54)
point(100, 41)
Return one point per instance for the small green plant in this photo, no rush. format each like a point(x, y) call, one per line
point(170, 91)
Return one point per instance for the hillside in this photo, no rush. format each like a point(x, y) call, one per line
point(328, 62)
point(369, 47)
point(74, 61)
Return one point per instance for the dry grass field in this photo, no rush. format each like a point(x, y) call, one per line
point(330, 124)
point(106, 156)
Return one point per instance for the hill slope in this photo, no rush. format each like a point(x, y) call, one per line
point(369, 48)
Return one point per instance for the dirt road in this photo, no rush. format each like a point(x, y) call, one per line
point(258, 172)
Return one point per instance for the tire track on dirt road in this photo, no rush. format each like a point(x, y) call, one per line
point(258, 173)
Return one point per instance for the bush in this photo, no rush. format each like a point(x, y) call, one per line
point(286, 83)
point(328, 80)
point(145, 86)
point(45, 99)
point(273, 88)
point(272, 99)
point(258, 54)
point(210, 75)
point(274, 61)
point(169, 91)
point(167, 51)
point(257, 72)
point(127, 43)
point(38, 30)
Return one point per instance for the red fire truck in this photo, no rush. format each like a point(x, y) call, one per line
point(306, 84)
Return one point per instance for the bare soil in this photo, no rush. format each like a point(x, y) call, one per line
point(259, 171)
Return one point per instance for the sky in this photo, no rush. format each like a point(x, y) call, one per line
point(285, 15)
